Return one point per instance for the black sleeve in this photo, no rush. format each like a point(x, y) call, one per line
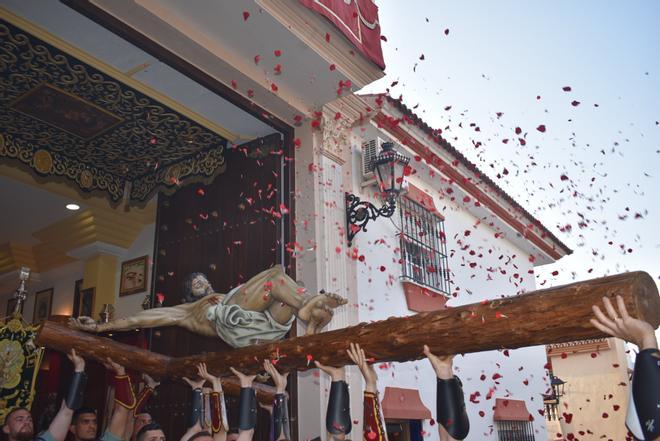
point(643, 418)
point(450, 406)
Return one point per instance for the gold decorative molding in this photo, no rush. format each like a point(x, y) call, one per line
point(66, 115)
point(13, 256)
point(115, 73)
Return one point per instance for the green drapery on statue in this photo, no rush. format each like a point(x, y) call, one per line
point(19, 364)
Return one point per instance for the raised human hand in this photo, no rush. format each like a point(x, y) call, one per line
point(204, 373)
point(246, 380)
point(114, 367)
point(336, 373)
point(622, 325)
point(150, 381)
point(356, 354)
point(196, 384)
point(442, 364)
point(280, 380)
point(77, 360)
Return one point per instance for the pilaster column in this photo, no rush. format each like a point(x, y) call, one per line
point(334, 267)
point(100, 272)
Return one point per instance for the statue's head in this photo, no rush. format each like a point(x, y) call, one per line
point(196, 286)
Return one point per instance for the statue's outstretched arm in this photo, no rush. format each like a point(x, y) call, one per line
point(151, 318)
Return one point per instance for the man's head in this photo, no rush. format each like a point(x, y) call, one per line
point(141, 420)
point(196, 286)
point(151, 432)
point(84, 424)
point(18, 425)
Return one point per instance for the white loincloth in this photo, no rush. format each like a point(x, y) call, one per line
point(241, 328)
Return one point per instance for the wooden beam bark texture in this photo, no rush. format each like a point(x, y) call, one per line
point(547, 316)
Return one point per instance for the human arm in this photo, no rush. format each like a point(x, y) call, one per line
point(281, 424)
point(338, 413)
point(451, 415)
point(197, 411)
point(192, 430)
point(219, 424)
point(145, 394)
point(356, 354)
point(247, 404)
point(623, 326)
point(642, 407)
point(373, 428)
point(59, 427)
point(124, 399)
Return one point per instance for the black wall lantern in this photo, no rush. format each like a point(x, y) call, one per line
point(557, 386)
point(388, 167)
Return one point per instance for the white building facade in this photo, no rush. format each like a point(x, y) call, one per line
point(402, 265)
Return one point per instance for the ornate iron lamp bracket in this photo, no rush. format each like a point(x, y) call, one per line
point(359, 213)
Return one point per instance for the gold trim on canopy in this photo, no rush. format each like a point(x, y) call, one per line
point(66, 114)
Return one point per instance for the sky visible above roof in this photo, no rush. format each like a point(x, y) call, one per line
point(556, 102)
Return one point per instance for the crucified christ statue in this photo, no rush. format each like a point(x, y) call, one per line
point(261, 310)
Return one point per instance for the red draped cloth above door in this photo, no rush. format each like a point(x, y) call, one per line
point(357, 20)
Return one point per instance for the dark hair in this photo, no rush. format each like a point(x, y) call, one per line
point(14, 410)
point(187, 287)
point(200, 434)
point(81, 411)
point(146, 428)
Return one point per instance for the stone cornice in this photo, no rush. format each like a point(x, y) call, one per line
point(311, 29)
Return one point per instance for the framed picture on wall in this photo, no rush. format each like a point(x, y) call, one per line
point(86, 304)
point(133, 276)
point(43, 302)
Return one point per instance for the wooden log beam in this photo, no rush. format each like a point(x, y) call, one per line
point(554, 315)
point(62, 338)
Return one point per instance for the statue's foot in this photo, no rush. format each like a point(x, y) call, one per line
point(320, 317)
point(322, 304)
point(83, 323)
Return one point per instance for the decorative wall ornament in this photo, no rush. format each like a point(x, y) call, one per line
point(63, 115)
point(336, 136)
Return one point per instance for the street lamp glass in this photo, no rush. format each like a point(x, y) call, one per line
point(389, 167)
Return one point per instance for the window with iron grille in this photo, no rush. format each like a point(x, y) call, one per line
point(515, 431)
point(423, 247)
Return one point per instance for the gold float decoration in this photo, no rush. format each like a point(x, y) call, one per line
point(43, 161)
point(63, 116)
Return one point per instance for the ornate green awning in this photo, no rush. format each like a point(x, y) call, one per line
point(66, 115)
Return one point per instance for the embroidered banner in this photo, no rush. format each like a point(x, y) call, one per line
point(19, 365)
